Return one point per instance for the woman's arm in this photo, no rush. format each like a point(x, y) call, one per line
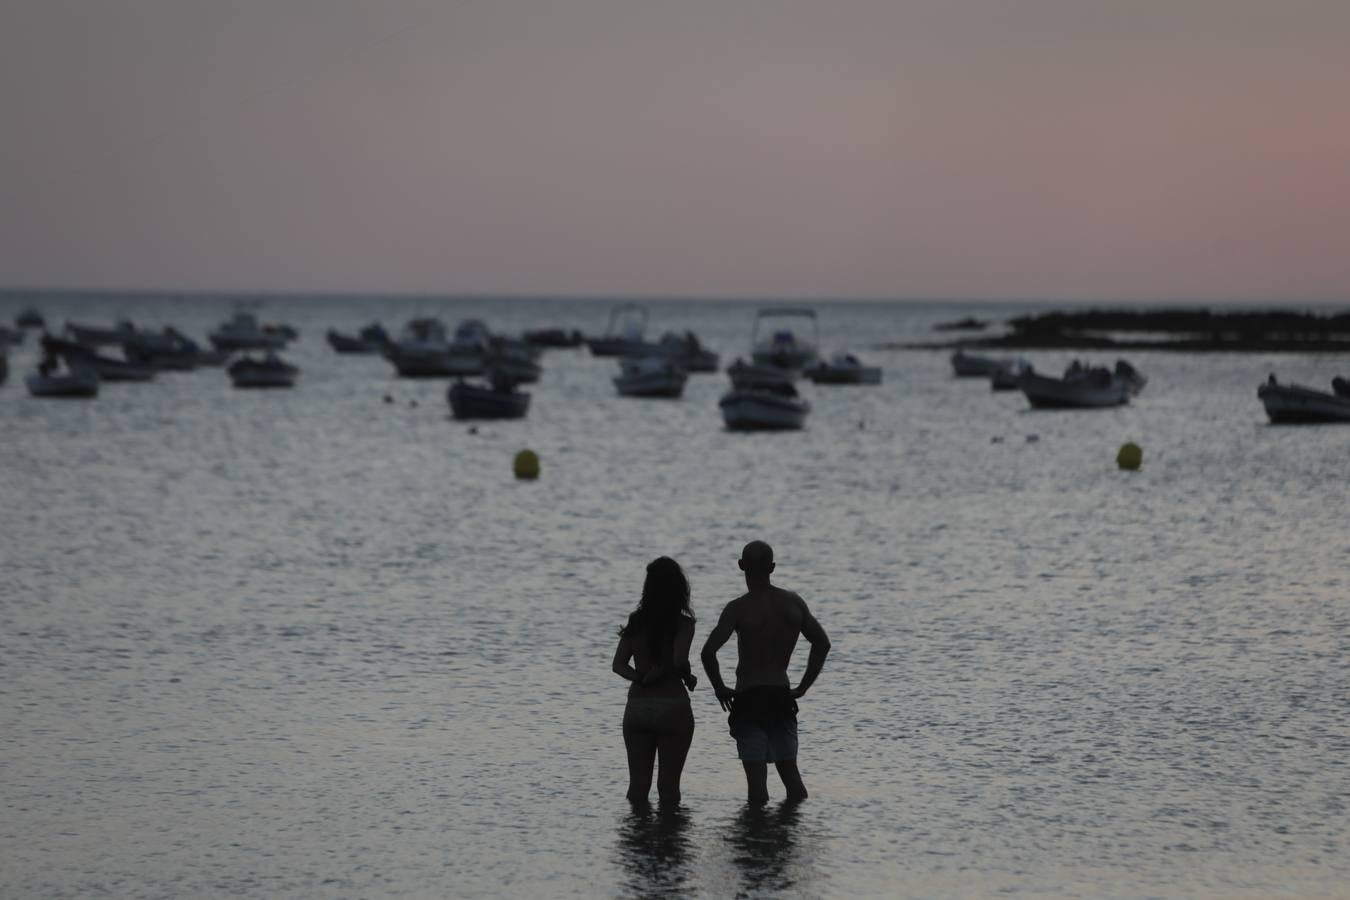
point(622, 654)
point(684, 639)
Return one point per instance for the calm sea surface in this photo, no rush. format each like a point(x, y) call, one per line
point(310, 643)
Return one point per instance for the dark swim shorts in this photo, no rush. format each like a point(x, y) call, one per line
point(764, 723)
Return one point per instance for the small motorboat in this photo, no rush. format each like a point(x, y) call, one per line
point(749, 375)
point(109, 369)
point(170, 350)
point(94, 336)
point(512, 361)
point(421, 351)
point(843, 368)
point(370, 339)
point(498, 399)
point(687, 352)
point(30, 318)
point(764, 409)
point(469, 347)
point(268, 372)
point(554, 337)
point(650, 376)
point(75, 382)
point(242, 332)
point(781, 346)
point(968, 365)
point(623, 335)
point(1082, 387)
point(1005, 378)
point(1294, 404)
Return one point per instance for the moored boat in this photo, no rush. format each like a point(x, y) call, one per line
point(968, 365)
point(762, 409)
point(75, 382)
point(1082, 387)
point(687, 352)
point(1294, 404)
point(421, 351)
point(749, 375)
point(95, 336)
point(623, 335)
point(781, 346)
point(495, 400)
point(268, 372)
point(1005, 377)
point(108, 368)
point(650, 376)
point(242, 332)
point(842, 368)
point(370, 339)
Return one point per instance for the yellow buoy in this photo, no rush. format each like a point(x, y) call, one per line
point(1131, 456)
point(527, 464)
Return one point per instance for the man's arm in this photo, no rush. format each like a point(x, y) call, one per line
point(820, 646)
point(719, 636)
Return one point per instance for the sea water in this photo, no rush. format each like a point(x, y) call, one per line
point(320, 642)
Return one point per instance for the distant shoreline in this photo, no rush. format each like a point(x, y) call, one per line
point(1185, 330)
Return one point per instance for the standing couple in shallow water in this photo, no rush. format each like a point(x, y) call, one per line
point(653, 653)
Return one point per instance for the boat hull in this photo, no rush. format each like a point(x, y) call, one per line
point(1291, 404)
point(468, 401)
point(668, 385)
point(74, 386)
point(825, 374)
point(1057, 393)
point(751, 410)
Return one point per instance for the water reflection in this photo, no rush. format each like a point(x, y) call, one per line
point(767, 851)
point(654, 851)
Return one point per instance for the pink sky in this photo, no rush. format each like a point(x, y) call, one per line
point(1058, 149)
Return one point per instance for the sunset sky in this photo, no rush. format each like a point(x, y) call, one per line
point(1058, 149)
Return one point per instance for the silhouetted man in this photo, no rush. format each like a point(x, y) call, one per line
point(763, 708)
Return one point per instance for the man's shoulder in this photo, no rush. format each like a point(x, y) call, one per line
point(786, 596)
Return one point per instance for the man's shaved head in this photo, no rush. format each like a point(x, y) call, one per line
point(757, 558)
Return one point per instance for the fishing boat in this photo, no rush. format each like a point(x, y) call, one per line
point(1005, 378)
point(74, 382)
point(95, 336)
point(421, 351)
point(763, 409)
point(370, 339)
point(242, 332)
point(774, 343)
point(30, 318)
point(650, 376)
point(108, 368)
point(497, 399)
point(623, 335)
point(842, 368)
point(1294, 404)
point(750, 376)
point(268, 372)
point(968, 365)
point(687, 352)
point(1082, 387)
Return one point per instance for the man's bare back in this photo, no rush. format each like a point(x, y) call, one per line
point(766, 622)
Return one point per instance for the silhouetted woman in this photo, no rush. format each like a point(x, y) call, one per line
point(658, 721)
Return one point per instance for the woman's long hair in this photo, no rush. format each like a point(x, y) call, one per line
point(665, 598)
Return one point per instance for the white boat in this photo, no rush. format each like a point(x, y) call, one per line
point(650, 376)
point(78, 381)
point(623, 335)
point(421, 351)
point(1294, 404)
point(268, 372)
point(243, 333)
point(968, 365)
point(780, 345)
point(748, 375)
point(760, 409)
point(468, 348)
point(687, 351)
point(843, 368)
point(1082, 387)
